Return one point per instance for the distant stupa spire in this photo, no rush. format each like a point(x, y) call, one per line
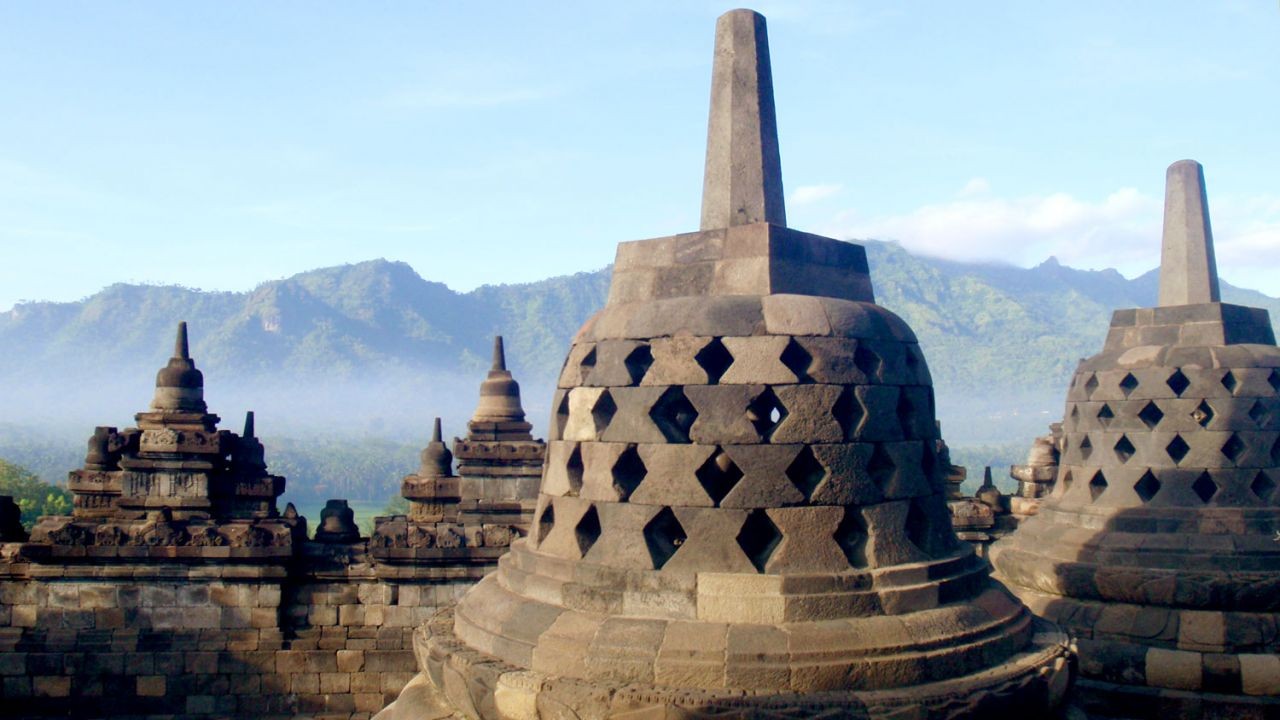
point(1188, 271)
point(742, 182)
point(437, 461)
point(499, 393)
point(499, 354)
point(179, 385)
point(180, 348)
point(248, 425)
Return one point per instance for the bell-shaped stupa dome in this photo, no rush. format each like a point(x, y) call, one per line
point(179, 385)
point(742, 505)
point(1158, 546)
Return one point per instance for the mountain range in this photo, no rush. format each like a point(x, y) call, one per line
point(374, 349)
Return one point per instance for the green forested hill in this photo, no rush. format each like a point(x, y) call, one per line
point(354, 355)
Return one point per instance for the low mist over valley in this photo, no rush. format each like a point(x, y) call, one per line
point(346, 366)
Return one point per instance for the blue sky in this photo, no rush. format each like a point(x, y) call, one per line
point(220, 145)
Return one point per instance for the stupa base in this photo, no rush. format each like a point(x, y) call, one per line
point(1111, 701)
point(456, 681)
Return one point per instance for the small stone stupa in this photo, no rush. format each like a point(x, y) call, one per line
point(467, 520)
point(742, 511)
point(1157, 547)
point(499, 461)
point(174, 480)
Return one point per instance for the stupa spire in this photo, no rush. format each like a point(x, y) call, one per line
point(1188, 271)
point(499, 354)
point(499, 393)
point(437, 461)
point(180, 348)
point(248, 425)
point(179, 385)
point(742, 182)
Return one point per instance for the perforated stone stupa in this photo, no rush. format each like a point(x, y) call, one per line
point(742, 509)
point(1158, 546)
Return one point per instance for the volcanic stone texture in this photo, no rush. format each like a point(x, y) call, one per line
point(759, 512)
point(1158, 546)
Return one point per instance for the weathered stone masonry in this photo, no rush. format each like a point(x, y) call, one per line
point(177, 588)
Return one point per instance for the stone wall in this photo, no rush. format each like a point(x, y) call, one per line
point(324, 635)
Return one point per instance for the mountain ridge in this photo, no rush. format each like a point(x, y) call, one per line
point(1001, 341)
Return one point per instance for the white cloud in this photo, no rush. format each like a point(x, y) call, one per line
point(807, 194)
point(1120, 231)
point(975, 186)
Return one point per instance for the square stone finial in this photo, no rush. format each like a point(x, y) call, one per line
point(742, 183)
point(744, 246)
point(1188, 271)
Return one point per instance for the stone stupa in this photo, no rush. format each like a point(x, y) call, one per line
point(742, 511)
point(1158, 547)
point(175, 485)
point(459, 525)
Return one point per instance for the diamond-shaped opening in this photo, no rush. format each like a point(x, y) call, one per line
point(546, 521)
point(848, 413)
point(906, 414)
point(928, 460)
point(1229, 382)
point(674, 415)
point(916, 526)
point(573, 468)
point(587, 365)
point(1233, 447)
point(561, 417)
point(1151, 415)
point(866, 360)
point(663, 535)
point(587, 531)
point(603, 411)
point(880, 466)
point(1105, 415)
point(628, 472)
point(1090, 385)
point(1258, 413)
point(1203, 414)
point(715, 359)
point(1124, 449)
point(1147, 486)
point(851, 536)
point(1075, 416)
point(718, 475)
point(1086, 448)
point(1178, 382)
point(1065, 483)
point(638, 362)
point(758, 538)
point(1262, 486)
point(912, 356)
point(1204, 487)
point(1128, 384)
point(1274, 380)
point(1097, 485)
point(766, 412)
point(805, 472)
point(797, 360)
point(1177, 448)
